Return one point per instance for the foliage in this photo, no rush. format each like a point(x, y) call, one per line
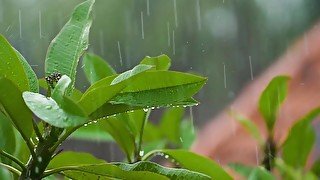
point(118, 105)
point(290, 157)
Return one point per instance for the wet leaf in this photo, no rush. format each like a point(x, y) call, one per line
point(11, 66)
point(67, 47)
point(171, 173)
point(95, 68)
point(60, 89)
point(300, 141)
point(11, 100)
point(162, 62)
point(8, 140)
point(128, 74)
point(195, 162)
point(159, 88)
point(31, 75)
point(271, 99)
point(67, 115)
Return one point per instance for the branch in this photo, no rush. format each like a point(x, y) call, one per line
point(9, 156)
point(11, 169)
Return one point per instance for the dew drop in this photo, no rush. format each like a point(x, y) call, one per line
point(166, 156)
point(141, 153)
point(145, 109)
point(85, 125)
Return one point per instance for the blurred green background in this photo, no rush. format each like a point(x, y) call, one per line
point(215, 38)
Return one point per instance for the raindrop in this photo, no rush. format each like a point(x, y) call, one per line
point(191, 118)
point(142, 27)
point(198, 10)
point(166, 156)
point(152, 108)
point(145, 109)
point(173, 43)
point(120, 56)
point(141, 153)
point(36, 169)
point(251, 73)
point(175, 12)
point(20, 27)
point(40, 26)
point(95, 121)
point(168, 28)
point(48, 107)
point(39, 159)
point(65, 119)
point(148, 8)
point(224, 76)
point(101, 42)
point(181, 139)
point(85, 125)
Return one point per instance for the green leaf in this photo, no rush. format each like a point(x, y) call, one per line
point(128, 74)
point(162, 62)
point(31, 75)
point(11, 66)
point(243, 170)
point(85, 166)
point(194, 162)
point(170, 124)
point(102, 91)
point(60, 89)
point(271, 98)
point(8, 140)
point(249, 126)
point(95, 68)
point(68, 115)
point(119, 130)
point(300, 141)
point(171, 173)
point(159, 88)
point(11, 100)
point(67, 47)
point(260, 173)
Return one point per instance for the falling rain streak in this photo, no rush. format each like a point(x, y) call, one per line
point(20, 28)
point(142, 27)
point(251, 73)
point(175, 12)
point(101, 42)
point(168, 28)
point(224, 76)
point(191, 118)
point(198, 10)
point(40, 25)
point(173, 43)
point(120, 55)
point(148, 7)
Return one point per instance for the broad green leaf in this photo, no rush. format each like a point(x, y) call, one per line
point(60, 89)
point(287, 172)
point(243, 170)
point(95, 68)
point(249, 126)
point(31, 75)
point(102, 91)
point(300, 141)
point(68, 115)
point(69, 158)
point(162, 62)
point(11, 66)
point(121, 133)
point(11, 100)
point(5, 174)
point(8, 141)
point(271, 99)
point(171, 173)
point(260, 173)
point(195, 162)
point(92, 132)
point(170, 124)
point(67, 47)
point(128, 74)
point(84, 166)
point(159, 88)
point(107, 171)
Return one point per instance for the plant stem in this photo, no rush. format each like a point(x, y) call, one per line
point(57, 170)
point(9, 156)
point(270, 152)
point(149, 155)
point(37, 131)
point(145, 120)
point(63, 137)
point(11, 169)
